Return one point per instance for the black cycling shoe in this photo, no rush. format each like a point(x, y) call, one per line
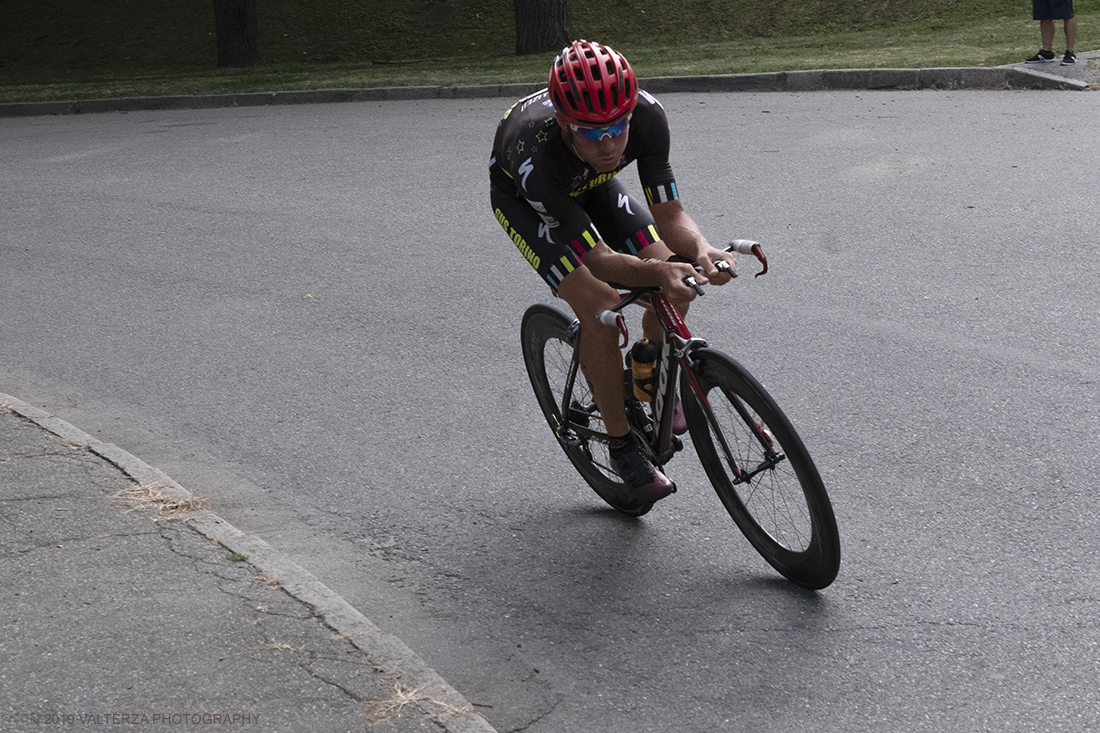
point(646, 481)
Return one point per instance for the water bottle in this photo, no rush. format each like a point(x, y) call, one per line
point(643, 368)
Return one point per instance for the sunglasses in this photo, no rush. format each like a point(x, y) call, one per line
point(595, 134)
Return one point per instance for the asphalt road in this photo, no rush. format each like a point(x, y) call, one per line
point(309, 315)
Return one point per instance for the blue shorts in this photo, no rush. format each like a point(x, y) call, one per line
point(1051, 9)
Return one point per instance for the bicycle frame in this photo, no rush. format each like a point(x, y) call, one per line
point(675, 351)
point(751, 453)
point(677, 347)
point(680, 346)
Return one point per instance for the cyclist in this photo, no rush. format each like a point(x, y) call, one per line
point(554, 191)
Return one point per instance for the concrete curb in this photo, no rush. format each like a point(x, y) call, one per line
point(448, 708)
point(1000, 77)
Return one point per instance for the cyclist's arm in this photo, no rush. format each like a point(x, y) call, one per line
point(611, 266)
point(683, 236)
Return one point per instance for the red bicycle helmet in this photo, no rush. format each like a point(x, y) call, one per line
point(592, 84)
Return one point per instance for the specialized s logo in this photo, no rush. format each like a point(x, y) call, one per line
point(624, 203)
point(525, 169)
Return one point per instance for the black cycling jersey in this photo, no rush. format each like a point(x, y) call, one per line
point(532, 163)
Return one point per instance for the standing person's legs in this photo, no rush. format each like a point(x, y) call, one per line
point(1057, 10)
point(1046, 34)
point(1041, 11)
point(1044, 12)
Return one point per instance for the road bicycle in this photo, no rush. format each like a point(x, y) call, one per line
point(751, 453)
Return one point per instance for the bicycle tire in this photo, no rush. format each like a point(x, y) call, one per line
point(547, 354)
point(784, 510)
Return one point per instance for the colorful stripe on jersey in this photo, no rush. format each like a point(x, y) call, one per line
point(642, 239)
point(661, 193)
point(560, 269)
point(586, 241)
point(571, 260)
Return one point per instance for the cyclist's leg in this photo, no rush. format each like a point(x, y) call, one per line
point(628, 227)
point(561, 269)
point(601, 359)
point(530, 235)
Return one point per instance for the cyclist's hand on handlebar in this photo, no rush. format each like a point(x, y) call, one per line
point(715, 273)
point(674, 280)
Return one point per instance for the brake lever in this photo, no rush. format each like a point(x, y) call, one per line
point(691, 282)
point(724, 266)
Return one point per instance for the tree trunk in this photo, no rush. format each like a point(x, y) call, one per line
point(542, 26)
point(235, 24)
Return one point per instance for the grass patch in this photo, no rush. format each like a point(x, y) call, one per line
point(128, 48)
point(404, 701)
point(162, 500)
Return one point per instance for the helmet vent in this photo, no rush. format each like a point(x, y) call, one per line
point(591, 84)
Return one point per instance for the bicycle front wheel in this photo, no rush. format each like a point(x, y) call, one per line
point(762, 471)
point(548, 355)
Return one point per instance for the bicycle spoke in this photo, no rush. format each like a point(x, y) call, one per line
point(762, 471)
point(772, 495)
point(567, 402)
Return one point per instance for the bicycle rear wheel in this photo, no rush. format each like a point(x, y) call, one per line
point(548, 355)
point(776, 495)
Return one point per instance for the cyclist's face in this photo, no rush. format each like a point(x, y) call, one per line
point(603, 155)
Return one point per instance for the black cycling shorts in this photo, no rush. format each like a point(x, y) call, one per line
point(1051, 9)
point(623, 223)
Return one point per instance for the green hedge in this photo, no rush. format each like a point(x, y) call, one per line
point(97, 36)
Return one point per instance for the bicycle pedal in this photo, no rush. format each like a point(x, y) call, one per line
point(569, 438)
point(677, 444)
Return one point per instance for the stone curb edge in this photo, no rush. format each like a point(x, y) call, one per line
point(448, 708)
point(999, 77)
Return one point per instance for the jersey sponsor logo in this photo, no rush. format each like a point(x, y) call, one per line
point(543, 213)
point(650, 98)
point(521, 244)
point(597, 181)
point(531, 99)
point(624, 203)
point(662, 379)
point(525, 169)
point(544, 231)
